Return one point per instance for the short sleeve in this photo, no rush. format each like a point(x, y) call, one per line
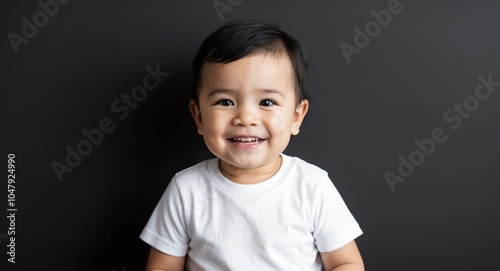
point(334, 225)
point(166, 228)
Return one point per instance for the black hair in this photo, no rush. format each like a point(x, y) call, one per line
point(237, 39)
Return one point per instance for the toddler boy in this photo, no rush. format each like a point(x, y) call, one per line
point(252, 207)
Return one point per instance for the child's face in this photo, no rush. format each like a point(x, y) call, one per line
point(247, 110)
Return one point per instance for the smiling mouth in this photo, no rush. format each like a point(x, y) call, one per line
point(246, 140)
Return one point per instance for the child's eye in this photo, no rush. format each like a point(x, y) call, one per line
point(267, 102)
point(225, 102)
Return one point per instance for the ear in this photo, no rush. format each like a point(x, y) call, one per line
point(196, 113)
point(298, 115)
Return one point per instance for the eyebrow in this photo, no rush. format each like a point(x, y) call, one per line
point(216, 91)
point(273, 91)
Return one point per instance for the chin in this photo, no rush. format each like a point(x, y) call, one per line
point(243, 165)
point(249, 163)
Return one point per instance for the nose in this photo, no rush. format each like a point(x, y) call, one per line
point(245, 116)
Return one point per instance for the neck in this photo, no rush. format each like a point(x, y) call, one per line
point(250, 176)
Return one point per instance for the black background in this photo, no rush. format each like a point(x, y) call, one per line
point(363, 115)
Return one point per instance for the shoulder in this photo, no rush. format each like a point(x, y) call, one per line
point(196, 176)
point(309, 177)
point(306, 170)
point(194, 170)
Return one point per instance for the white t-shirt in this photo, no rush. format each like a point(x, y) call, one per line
point(278, 224)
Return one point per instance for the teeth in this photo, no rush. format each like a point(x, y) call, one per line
point(246, 139)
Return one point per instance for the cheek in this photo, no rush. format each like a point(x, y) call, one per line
point(280, 122)
point(213, 124)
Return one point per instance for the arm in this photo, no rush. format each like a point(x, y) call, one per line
point(346, 258)
point(159, 261)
